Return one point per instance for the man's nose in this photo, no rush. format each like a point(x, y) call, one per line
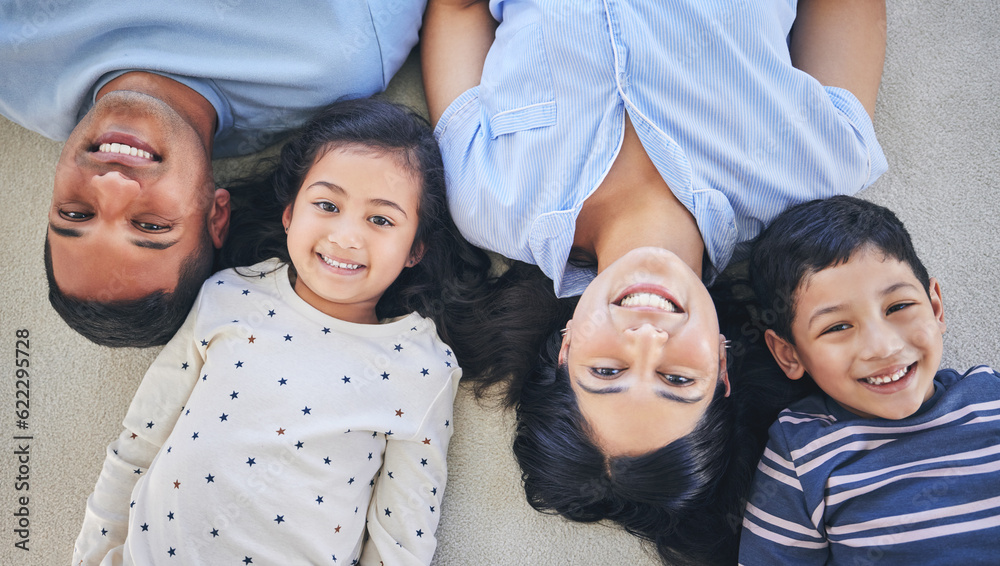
point(114, 191)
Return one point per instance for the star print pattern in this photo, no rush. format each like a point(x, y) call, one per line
point(239, 448)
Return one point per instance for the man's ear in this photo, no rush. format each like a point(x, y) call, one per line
point(723, 369)
point(564, 349)
point(218, 217)
point(416, 254)
point(785, 354)
point(937, 303)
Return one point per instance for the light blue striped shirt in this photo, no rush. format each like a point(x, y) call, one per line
point(266, 67)
point(834, 488)
point(737, 133)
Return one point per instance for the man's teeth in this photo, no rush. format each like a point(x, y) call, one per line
point(124, 150)
point(334, 263)
point(883, 379)
point(648, 300)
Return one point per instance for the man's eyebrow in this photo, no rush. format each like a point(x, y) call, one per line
point(65, 232)
point(376, 201)
point(148, 244)
point(659, 392)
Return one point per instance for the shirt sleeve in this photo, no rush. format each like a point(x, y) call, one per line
point(405, 507)
point(154, 410)
point(778, 526)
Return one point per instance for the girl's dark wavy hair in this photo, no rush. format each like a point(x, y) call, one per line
point(686, 498)
point(451, 277)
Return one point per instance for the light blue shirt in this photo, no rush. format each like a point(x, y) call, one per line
point(266, 67)
point(737, 133)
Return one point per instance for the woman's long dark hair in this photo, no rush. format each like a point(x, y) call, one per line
point(450, 280)
point(686, 498)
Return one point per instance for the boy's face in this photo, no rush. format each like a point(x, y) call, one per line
point(868, 335)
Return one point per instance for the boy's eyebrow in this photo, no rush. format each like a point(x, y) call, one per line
point(897, 286)
point(376, 201)
point(823, 311)
point(834, 308)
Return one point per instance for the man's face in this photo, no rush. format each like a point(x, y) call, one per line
point(133, 197)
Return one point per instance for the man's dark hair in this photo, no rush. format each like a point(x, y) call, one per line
point(139, 323)
point(815, 235)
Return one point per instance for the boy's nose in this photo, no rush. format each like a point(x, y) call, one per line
point(881, 342)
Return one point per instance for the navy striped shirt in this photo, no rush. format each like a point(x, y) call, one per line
point(834, 488)
point(737, 133)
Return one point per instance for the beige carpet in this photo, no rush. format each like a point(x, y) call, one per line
point(938, 119)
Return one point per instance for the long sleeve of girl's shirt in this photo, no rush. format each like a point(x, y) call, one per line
point(151, 416)
point(406, 505)
point(778, 525)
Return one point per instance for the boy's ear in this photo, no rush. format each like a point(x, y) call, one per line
point(937, 303)
point(416, 254)
point(785, 354)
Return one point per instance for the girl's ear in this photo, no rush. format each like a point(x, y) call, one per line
point(218, 217)
point(785, 354)
point(416, 254)
point(286, 217)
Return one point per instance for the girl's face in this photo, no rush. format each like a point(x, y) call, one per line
point(644, 352)
point(351, 231)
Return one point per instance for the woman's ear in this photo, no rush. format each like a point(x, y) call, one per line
point(416, 254)
point(564, 349)
point(785, 354)
point(723, 359)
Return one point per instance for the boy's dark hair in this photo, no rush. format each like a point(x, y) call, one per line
point(452, 274)
point(137, 323)
point(813, 236)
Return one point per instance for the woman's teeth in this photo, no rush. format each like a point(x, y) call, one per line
point(883, 379)
point(124, 150)
point(648, 300)
point(334, 263)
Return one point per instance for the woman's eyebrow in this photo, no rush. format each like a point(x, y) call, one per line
point(662, 393)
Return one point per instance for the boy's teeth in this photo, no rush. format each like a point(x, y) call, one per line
point(648, 300)
point(124, 150)
point(333, 263)
point(883, 379)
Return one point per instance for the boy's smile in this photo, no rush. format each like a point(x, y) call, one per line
point(868, 334)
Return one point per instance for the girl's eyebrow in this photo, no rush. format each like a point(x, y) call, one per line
point(375, 201)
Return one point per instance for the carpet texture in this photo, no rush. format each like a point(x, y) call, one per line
point(938, 120)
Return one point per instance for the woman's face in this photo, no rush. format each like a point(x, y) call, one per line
point(644, 352)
